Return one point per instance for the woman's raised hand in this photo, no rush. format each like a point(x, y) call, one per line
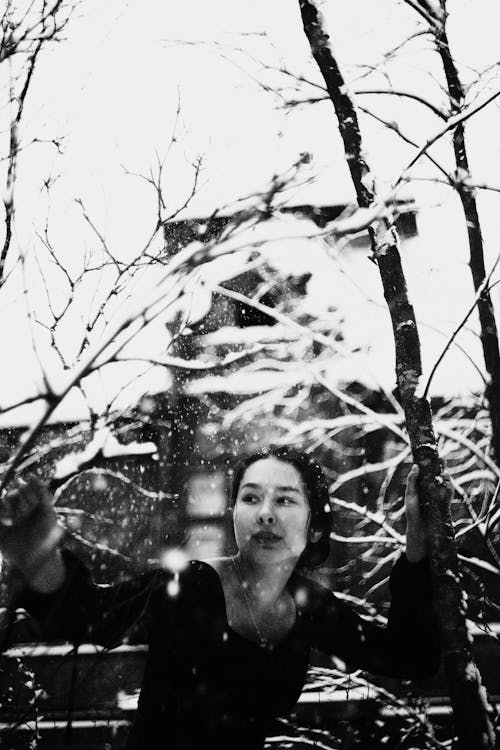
point(417, 543)
point(29, 532)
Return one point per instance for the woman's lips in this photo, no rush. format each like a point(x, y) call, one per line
point(266, 537)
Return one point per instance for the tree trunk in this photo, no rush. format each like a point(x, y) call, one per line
point(470, 706)
point(488, 326)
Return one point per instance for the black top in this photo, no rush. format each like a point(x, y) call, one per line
point(206, 686)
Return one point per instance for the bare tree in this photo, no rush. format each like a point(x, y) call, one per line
point(26, 30)
point(436, 15)
point(468, 697)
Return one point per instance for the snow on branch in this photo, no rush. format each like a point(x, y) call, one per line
point(378, 518)
point(103, 445)
point(166, 290)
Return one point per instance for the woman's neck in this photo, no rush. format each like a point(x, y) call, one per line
point(264, 583)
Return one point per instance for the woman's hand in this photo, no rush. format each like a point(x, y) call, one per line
point(29, 534)
point(417, 542)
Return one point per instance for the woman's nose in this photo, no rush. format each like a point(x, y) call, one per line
point(266, 514)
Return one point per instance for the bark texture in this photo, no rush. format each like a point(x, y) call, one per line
point(488, 326)
point(468, 697)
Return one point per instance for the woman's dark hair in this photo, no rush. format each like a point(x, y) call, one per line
point(318, 496)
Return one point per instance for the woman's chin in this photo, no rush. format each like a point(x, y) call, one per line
point(270, 554)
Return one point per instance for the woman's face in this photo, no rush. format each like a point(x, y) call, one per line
point(271, 513)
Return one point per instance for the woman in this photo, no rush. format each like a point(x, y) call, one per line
point(229, 639)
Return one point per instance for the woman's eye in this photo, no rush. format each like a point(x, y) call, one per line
point(249, 499)
point(284, 500)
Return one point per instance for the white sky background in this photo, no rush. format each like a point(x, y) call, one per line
point(111, 90)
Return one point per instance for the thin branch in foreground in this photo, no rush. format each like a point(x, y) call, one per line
point(167, 291)
point(443, 115)
point(452, 123)
point(391, 125)
point(480, 291)
point(24, 36)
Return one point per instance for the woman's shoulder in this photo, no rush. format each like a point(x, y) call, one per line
point(214, 576)
point(213, 567)
point(311, 582)
point(194, 575)
point(195, 588)
point(310, 594)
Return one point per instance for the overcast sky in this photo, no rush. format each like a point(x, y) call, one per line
point(111, 90)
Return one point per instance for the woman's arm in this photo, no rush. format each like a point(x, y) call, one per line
point(408, 647)
point(81, 611)
point(57, 589)
point(30, 535)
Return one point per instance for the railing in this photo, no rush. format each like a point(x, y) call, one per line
point(87, 701)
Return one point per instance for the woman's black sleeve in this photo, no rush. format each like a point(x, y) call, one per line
point(84, 612)
point(407, 647)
